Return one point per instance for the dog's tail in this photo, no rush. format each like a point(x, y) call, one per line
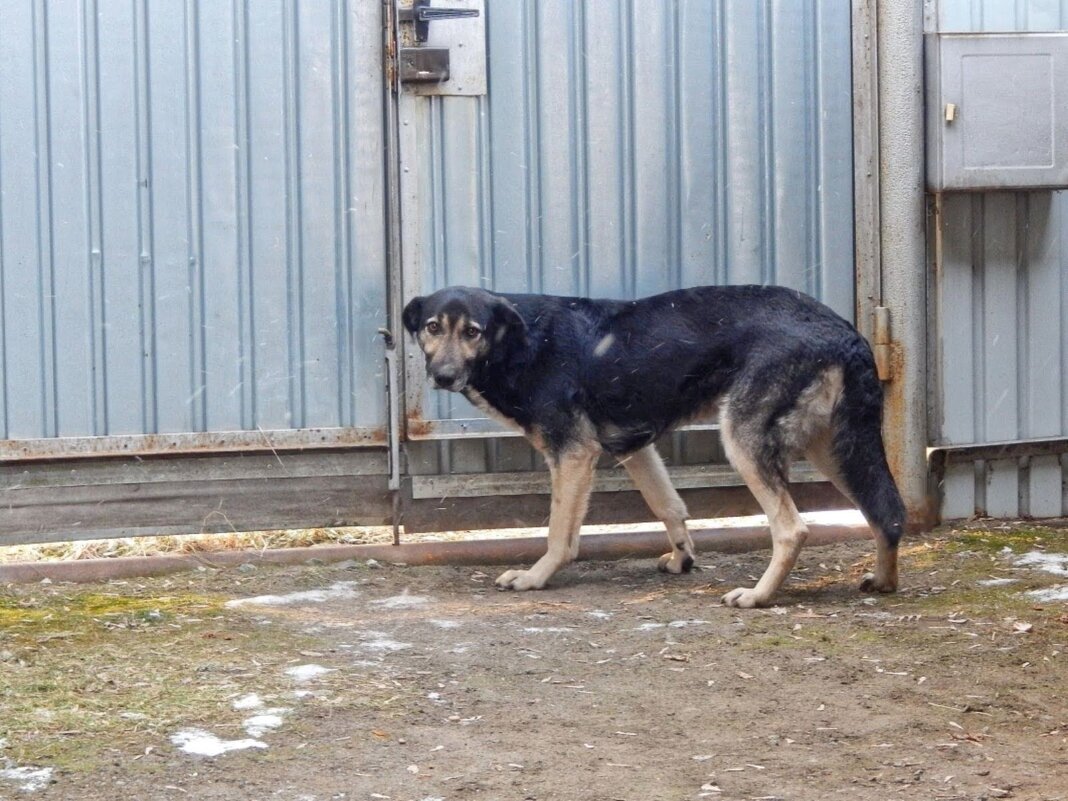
point(858, 447)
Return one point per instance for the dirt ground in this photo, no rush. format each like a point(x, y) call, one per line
point(427, 684)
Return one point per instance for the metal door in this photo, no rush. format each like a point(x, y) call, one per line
point(620, 149)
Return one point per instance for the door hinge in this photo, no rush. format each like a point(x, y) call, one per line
point(881, 343)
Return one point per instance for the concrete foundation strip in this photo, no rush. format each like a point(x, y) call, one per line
point(594, 547)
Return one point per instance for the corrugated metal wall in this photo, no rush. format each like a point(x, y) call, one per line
point(1002, 306)
point(191, 216)
point(627, 148)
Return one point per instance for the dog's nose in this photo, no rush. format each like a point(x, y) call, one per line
point(444, 379)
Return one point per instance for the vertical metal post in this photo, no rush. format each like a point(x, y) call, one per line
point(902, 244)
point(393, 257)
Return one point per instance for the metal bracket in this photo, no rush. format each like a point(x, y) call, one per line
point(421, 14)
point(881, 344)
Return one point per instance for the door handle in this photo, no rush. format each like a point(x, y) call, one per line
point(421, 14)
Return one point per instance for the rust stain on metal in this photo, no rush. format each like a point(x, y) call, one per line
point(417, 427)
point(17, 450)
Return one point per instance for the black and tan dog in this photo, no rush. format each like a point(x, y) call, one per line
point(787, 375)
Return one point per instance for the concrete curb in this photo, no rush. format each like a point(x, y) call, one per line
point(596, 547)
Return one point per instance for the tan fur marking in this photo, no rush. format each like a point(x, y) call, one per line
point(572, 481)
point(647, 471)
point(788, 531)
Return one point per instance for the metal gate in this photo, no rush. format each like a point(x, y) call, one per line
point(208, 210)
point(618, 149)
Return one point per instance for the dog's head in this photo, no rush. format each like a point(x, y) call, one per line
point(460, 328)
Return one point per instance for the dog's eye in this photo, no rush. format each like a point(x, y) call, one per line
point(472, 333)
point(433, 328)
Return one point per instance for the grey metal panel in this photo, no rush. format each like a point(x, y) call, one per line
point(1002, 296)
point(966, 16)
point(628, 148)
point(191, 217)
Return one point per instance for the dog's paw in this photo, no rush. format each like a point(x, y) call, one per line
point(871, 583)
point(519, 580)
point(675, 562)
point(743, 598)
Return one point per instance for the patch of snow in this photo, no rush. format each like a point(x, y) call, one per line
point(1050, 593)
point(649, 626)
point(548, 629)
point(258, 725)
point(1055, 563)
point(599, 614)
point(306, 672)
point(29, 780)
point(3, 742)
point(681, 624)
point(301, 693)
point(379, 641)
point(446, 624)
point(402, 601)
point(250, 701)
point(337, 590)
point(202, 743)
point(997, 582)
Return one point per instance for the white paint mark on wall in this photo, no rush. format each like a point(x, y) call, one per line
point(202, 743)
point(337, 590)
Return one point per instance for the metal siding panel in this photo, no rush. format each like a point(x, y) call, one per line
point(699, 132)
point(746, 180)
point(790, 129)
point(965, 16)
point(24, 360)
point(363, 222)
point(1044, 324)
point(958, 492)
point(604, 145)
point(654, 174)
point(561, 261)
point(320, 378)
point(221, 151)
point(1044, 492)
point(189, 254)
point(957, 371)
point(1002, 488)
point(269, 216)
point(119, 214)
point(833, 246)
point(69, 221)
point(999, 311)
point(168, 187)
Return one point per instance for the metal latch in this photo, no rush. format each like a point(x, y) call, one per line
point(424, 64)
point(422, 15)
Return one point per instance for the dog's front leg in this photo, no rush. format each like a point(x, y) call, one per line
point(572, 480)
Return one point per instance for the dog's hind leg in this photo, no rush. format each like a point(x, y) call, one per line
point(649, 475)
point(572, 481)
point(855, 462)
point(763, 469)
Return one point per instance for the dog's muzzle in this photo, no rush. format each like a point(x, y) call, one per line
point(453, 382)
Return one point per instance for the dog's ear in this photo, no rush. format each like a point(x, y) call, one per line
point(413, 314)
point(507, 325)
